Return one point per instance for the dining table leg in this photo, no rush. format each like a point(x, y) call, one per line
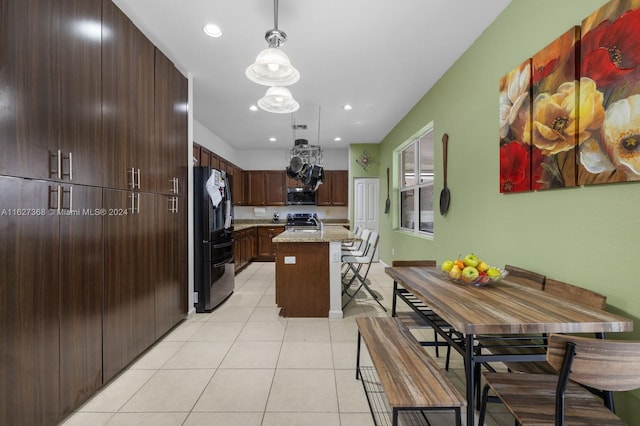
point(469, 370)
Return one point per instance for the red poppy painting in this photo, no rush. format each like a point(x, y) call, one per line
point(555, 127)
point(610, 65)
point(515, 116)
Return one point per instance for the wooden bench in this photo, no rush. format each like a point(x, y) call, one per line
point(411, 380)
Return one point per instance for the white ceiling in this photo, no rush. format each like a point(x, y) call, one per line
point(379, 56)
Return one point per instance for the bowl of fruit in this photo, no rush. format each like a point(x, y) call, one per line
point(472, 271)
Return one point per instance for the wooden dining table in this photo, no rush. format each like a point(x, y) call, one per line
point(499, 309)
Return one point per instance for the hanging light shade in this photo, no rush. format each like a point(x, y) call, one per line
point(272, 68)
point(278, 100)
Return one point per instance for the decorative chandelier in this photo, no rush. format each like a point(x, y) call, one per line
point(273, 68)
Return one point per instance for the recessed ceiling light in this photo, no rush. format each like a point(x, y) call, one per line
point(253, 108)
point(337, 139)
point(347, 107)
point(272, 139)
point(212, 30)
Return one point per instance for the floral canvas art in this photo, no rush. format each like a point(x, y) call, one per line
point(515, 116)
point(610, 67)
point(555, 129)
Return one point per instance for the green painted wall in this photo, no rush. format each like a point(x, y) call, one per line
point(588, 236)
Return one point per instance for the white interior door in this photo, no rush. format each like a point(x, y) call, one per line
point(366, 204)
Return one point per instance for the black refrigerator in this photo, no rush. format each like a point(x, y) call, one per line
point(214, 272)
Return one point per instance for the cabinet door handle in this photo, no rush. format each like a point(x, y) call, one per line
point(54, 194)
point(59, 164)
point(174, 184)
point(64, 191)
point(71, 167)
point(138, 185)
point(69, 158)
point(53, 171)
point(133, 178)
point(133, 202)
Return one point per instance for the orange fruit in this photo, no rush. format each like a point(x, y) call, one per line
point(460, 263)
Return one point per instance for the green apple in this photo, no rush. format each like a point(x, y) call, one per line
point(482, 266)
point(494, 272)
point(447, 265)
point(455, 272)
point(471, 260)
point(470, 274)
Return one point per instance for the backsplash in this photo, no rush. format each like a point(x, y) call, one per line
point(257, 212)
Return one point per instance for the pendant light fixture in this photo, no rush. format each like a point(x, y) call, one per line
point(272, 66)
point(278, 100)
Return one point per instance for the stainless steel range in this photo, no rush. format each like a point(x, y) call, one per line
point(295, 220)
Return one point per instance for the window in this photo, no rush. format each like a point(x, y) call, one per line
point(416, 184)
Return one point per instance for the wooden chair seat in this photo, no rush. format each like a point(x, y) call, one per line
point(536, 405)
point(558, 399)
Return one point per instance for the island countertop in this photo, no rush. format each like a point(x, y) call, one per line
point(329, 234)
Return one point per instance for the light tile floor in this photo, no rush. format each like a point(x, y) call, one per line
point(244, 365)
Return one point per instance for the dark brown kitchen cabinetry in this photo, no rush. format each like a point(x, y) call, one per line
point(238, 194)
point(244, 247)
point(266, 187)
point(50, 84)
point(92, 272)
point(127, 104)
point(205, 157)
point(50, 290)
point(266, 248)
point(171, 93)
point(334, 191)
point(171, 270)
point(275, 187)
point(81, 286)
point(130, 263)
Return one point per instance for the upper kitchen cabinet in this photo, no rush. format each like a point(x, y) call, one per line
point(238, 194)
point(265, 188)
point(50, 82)
point(127, 104)
point(334, 191)
point(171, 93)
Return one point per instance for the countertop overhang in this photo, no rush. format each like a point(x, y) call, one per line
point(329, 234)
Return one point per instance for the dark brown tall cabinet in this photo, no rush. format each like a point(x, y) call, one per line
point(93, 157)
point(50, 84)
point(51, 286)
point(127, 102)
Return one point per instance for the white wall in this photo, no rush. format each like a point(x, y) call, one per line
point(265, 159)
point(270, 159)
point(205, 137)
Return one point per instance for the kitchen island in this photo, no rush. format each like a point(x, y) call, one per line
point(308, 265)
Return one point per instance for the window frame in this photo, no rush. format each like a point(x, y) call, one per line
point(425, 181)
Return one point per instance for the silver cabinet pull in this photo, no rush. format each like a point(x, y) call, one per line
point(174, 185)
point(173, 204)
point(133, 203)
point(138, 186)
point(133, 178)
point(69, 158)
point(138, 202)
point(55, 193)
point(59, 164)
point(70, 195)
point(71, 167)
point(53, 170)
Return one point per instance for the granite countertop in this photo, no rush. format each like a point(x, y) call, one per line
point(241, 224)
point(330, 234)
